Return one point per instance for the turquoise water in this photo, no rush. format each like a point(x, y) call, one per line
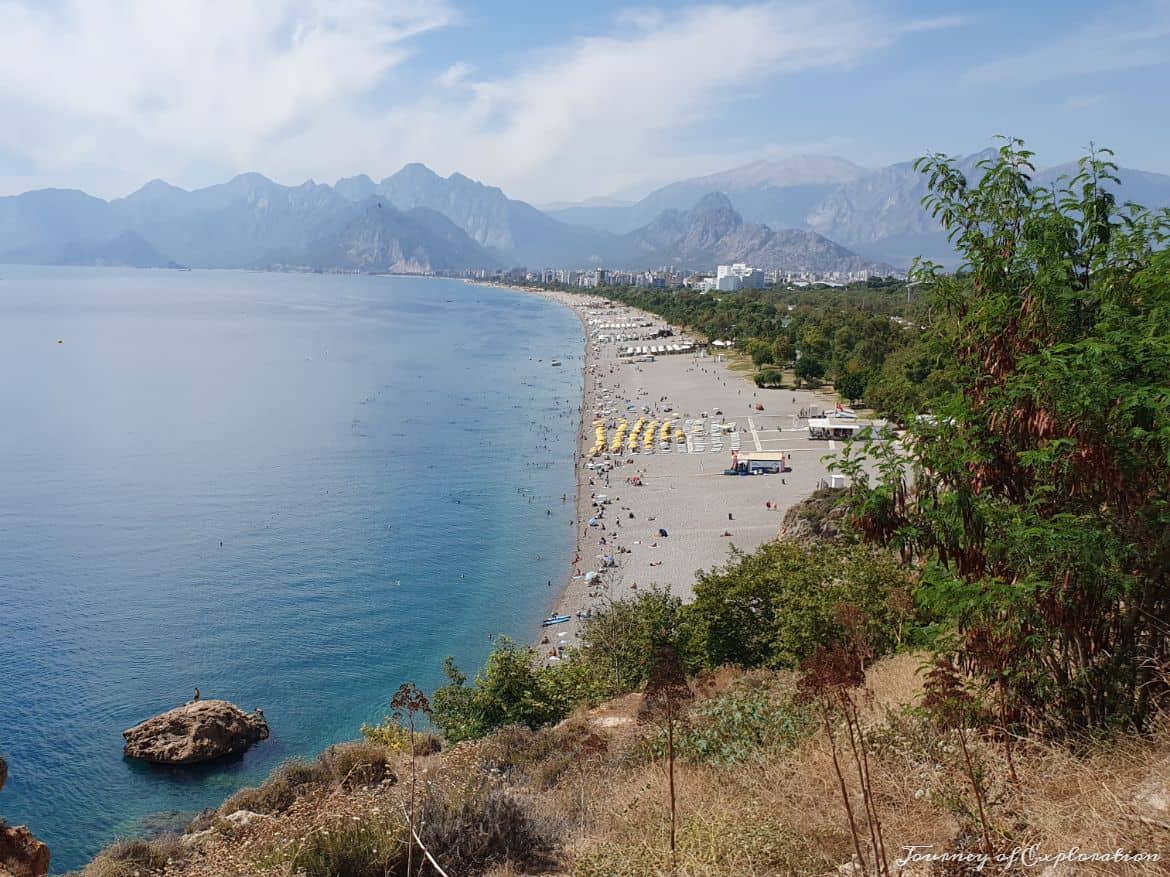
point(376, 455)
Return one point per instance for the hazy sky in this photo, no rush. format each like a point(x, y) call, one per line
point(561, 99)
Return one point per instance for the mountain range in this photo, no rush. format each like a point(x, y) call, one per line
point(810, 213)
point(875, 213)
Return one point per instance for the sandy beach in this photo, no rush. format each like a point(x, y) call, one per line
point(682, 491)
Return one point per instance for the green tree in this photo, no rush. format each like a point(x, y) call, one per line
point(808, 369)
point(1040, 496)
point(771, 608)
point(760, 351)
point(851, 385)
point(621, 639)
point(769, 377)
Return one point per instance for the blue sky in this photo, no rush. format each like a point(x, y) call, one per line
point(561, 100)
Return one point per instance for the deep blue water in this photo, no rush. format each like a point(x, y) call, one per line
point(365, 449)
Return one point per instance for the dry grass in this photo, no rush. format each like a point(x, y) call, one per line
point(137, 858)
point(582, 799)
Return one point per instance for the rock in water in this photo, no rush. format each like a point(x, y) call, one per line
point(21, 854)
point(202, 730)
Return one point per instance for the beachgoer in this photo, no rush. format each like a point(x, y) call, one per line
point(198, 694)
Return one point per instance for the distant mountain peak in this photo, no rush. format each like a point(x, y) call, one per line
point(155, 188)
point(712, 202)
point(252, 177)
point(413, 170)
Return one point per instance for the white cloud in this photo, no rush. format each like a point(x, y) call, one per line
point(454, 75)
point(601, 112)
point(113, 82)
point(116, 91)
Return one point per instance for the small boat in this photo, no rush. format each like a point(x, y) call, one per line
point(555, 362)
point(554, 619)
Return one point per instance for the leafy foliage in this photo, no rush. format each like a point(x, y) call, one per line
point(512, 689)
point(754, 721)
point(1042, 489)
point(620, 639)
point(773, 607)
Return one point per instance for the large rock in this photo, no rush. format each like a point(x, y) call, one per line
point(198, 731)
point(21, 854)
point(819, 517)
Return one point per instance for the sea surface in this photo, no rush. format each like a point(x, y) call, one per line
point(293, 491)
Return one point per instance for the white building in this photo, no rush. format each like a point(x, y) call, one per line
point(730, 278)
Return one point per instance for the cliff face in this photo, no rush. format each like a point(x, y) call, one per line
point(819, 518)
point(21, 854)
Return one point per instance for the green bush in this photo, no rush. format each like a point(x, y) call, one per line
point(756, 720)
point(620, 639)
point(514, 689)
point(770, 378)
point(809, 369)
point(395, 737)
point(772, 607)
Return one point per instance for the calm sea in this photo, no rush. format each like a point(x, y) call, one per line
point(293, 491)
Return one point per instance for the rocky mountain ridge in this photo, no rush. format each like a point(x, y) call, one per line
point(876, 213)
point(414, 221)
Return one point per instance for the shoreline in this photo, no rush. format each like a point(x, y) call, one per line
point(682, 490)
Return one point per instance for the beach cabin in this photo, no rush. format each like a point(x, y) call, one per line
point(760, 463)
point(826, 428)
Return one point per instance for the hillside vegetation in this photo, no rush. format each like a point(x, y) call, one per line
point(974, 667)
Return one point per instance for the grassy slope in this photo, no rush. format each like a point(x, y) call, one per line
point(594, 788)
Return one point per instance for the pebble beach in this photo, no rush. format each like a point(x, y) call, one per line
point(683, 490)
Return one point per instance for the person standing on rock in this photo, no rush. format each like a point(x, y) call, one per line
point(198, 694)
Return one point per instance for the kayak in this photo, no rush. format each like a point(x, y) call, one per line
point(554, 619)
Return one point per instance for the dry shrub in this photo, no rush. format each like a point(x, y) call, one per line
point(542, 758)
point(359, 763)
point(136, 858)
point(396, 738)
point(727, 829)
point(484, 825)
point(1103, 795)
point(352, 764)
point(894, 683)
point(273, 796)
point(351, 848)
point(777, 815)
point(427, 743)
point(277, 793)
